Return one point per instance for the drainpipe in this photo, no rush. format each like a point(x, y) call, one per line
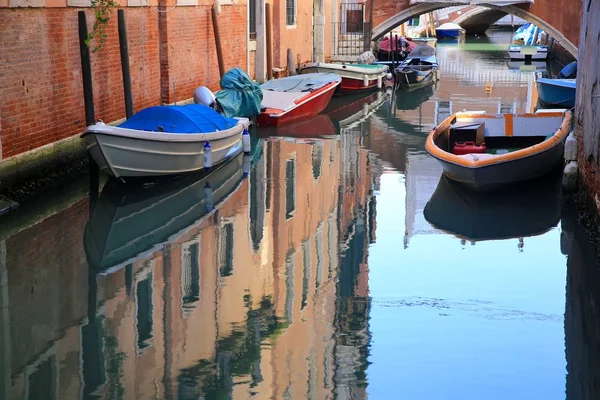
point(248, 37)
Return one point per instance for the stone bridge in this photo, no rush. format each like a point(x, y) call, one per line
point(559, 19)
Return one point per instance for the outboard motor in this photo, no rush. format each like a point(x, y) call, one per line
point(569, 71)
point(205, 96)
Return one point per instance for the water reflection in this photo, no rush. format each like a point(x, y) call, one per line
point(529, 210)
point(315, 275)
point(183, 300)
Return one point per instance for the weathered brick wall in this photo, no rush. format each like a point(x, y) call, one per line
point(41, 95)
point(192, 55)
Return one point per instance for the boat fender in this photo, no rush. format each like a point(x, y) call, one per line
point(208, 201)
point(246, 165)
point(246, 141)
point(205, 96)
point(365, 80)
point(389, 76)
point(365, 109)
point(379, 82)
point(207, 155)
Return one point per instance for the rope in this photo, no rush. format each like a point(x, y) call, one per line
point(158, 10)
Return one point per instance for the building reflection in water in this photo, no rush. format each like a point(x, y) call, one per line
point(266, 294)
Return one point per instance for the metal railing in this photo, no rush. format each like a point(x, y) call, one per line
point(350, 43)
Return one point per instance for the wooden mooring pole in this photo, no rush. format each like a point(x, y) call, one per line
point(125, 64)
point(269, 40)
point(218, 41)
point(88, 100)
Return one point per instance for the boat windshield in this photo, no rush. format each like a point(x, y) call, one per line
point(422, 51)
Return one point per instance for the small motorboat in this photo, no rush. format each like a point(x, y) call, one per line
point(396, 49)
point(295, 97)
point(485, 152)
point(449, 30)
point(559, 92)
point(129, 223)
point(355, 77)
point(528, 53)
point(165, 140)
point(418, 69)
point(532, 210)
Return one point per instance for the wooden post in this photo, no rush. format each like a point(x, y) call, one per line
point(298, 63)
point(125, 64)
point(269, 40)
point(86, 70)
point(218, 41)
point(290, 62)
point(432, 24)
point(392, 49)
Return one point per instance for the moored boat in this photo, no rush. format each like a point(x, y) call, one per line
point(165, 140)
point(449, 30)
point(355, 77)
point(128, 223)
point(528, 53)
point(485, 152)
point(418, 69)
point(295, 97)
point(557, 92)
point(523, 66)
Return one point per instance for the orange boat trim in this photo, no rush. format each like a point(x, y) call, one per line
point(558, 137)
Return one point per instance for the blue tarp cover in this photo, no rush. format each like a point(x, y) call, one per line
point(239, 96)
point(191, 118)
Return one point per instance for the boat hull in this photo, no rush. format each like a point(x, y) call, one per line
point(528, 53)
point(309, 107)
point(553, 94)
point(449, 33)
point(493, 177)
point(124, 153)
point(416, 79)
point(353, 79)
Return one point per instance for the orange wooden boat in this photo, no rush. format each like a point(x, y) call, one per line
point(507, 148)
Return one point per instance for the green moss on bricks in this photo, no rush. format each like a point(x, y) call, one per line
point(41, 160)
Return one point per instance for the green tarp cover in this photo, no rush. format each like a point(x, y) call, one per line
point(239, 96)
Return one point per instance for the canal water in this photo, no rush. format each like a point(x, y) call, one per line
point(333, 262)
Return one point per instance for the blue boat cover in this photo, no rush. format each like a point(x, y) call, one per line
point(191, 118)
point(239, 96)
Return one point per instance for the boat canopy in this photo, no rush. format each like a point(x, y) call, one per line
point(300, 83)
point(422, 51)
point(191, 118)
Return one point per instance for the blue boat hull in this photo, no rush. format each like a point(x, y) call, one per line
point(448, 33)
point(554, 92)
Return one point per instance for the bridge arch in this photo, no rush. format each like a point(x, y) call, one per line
point(423, 8)
point(478, 19)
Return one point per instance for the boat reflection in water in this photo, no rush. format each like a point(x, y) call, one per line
point(311, 127)
point(263, 293)
point(530, 209)
point(129, 221)
point(349, 111)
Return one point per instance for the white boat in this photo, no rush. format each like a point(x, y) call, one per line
point(355, 77)
point(165, 140)
point(528, 53)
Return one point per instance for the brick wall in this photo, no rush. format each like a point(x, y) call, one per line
point(41, 95)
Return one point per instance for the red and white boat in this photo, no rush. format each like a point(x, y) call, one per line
point(295, 97)
point(355, 77)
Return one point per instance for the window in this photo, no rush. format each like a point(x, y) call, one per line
point(190, 275)
point(290, 188)
point(305, 273)
point(226, 250)
point(144, 311)
point(252, 18)
point(290, 12)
